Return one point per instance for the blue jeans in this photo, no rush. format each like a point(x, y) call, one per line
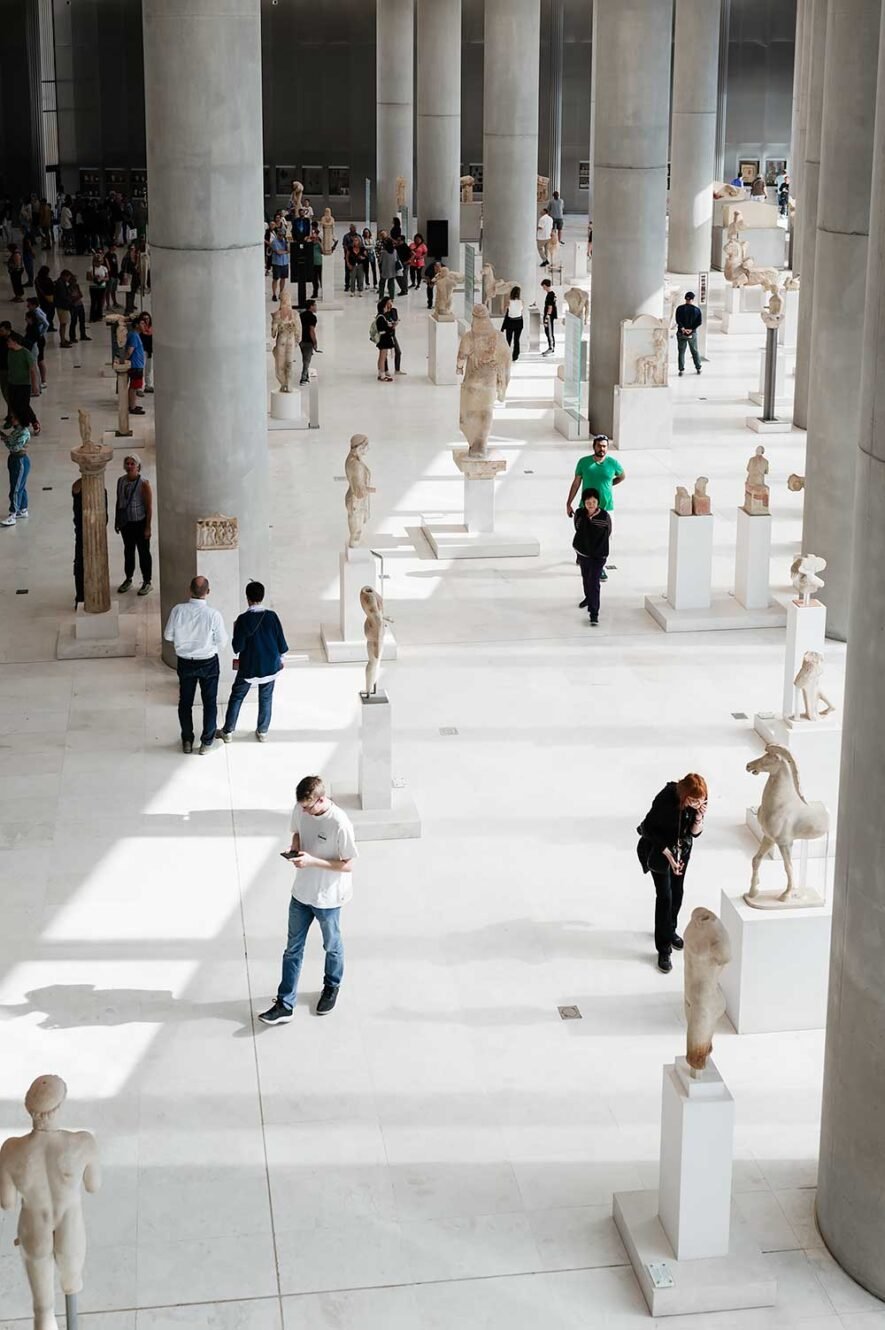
point(205, 673)
point(238, 692)
point(300, 919)
point(19, 465)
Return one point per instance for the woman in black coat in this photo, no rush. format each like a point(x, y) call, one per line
point(593, 529)
point(666, 837)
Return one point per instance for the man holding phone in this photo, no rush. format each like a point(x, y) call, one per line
point(322, 853)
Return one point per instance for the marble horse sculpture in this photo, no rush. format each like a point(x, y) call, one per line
point(785, 815)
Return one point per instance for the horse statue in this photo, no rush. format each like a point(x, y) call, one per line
point(785, 815)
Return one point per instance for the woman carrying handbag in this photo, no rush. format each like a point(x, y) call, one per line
point(513, 321)
point(666, 837)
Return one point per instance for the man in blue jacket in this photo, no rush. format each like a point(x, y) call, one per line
point(259, 644)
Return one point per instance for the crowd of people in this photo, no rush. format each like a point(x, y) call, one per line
point(77, 223)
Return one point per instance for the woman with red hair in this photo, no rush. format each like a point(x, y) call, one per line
point(666, 837)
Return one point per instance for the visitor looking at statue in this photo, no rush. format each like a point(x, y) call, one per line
point(666, 837)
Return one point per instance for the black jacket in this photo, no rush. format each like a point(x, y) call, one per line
point(665, 826)
point(688, 318)
point(259, 642)
point(592, 534)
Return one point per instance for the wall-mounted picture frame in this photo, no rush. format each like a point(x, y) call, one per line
point(748, 169)
point(584, 176)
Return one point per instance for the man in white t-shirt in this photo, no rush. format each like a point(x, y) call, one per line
point(322, 854)
point(543, 234)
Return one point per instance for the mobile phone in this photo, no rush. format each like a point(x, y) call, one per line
point(291, 854)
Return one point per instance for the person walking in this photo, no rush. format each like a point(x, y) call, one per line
point(346, 246)
point(15, 268)
point(145, 325)
point(23, 381)
point(133, 516)
point(757, 190)
point(513, 321)
point(98, 282)
point(35, 338)
point(322, 853)
point(666, 837)
point(556, 209)
point(130, 279)
point(688, 319)
point(356, 266)
point(388, 263)
point(259, 645)
point(404, 254)
point(418, 257)
point(16, 439)
point(28, 257)
point(5, 330)
point(431, 268)
point(549, 316)
point(78, 313)
point(279, 258)
point(308, 343)
point(133, 354)
point(112, 263)
point(198, 634)
point(384, 337)
point(593, 528)
point(370, 261)
point(598, 471)
point(393, 318)
point(62, 296)
point(543, 234)
point(44, 286)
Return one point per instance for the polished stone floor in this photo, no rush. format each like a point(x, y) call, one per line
point(441, 1151)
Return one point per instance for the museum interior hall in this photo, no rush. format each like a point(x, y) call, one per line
point(443, 617)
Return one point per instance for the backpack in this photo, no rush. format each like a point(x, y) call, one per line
point(373, 332)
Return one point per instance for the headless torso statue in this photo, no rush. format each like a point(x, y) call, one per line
point(47, 1169)
point(484, 360)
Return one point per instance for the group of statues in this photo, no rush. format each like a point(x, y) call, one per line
point(740, 267)
point(696, 504)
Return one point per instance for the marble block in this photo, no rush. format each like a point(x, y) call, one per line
point(760, 426)
point(575, 259)
point(697, 1140)
point(287, 410)
point(643, 417)
point(98, 636)
point(567, 424)
point(690, 562)
point(442, 350)
point(346, 641)
point(741, 310)
point(752, 560)
point(376, 762)
point(788, 332)
point(779, 972)
point(401, 821)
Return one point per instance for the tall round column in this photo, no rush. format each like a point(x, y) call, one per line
point(395, 66)
point(851, 1177)
point(632, 59)
point(510, 141)
point(202, 75)
point(840, 271)
point(693, 134)
point(439, 119)
point(817, 17)
point(799, 126)
point(795, 115)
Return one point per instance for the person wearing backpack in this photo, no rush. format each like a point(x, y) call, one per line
point(260, 645)
point(384, 337)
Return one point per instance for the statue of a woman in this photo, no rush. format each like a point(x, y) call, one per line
point(484, 360)
point(285, 328)
point(327, 227)
point(359, 487)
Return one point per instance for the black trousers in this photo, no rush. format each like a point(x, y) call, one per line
point(20, 402)
point(591, 571)
point(513, 332)
point(78, 320)
point(134, 540)
point(96, 303)
point(550, 334)
point(668, 902)
point(206, 674)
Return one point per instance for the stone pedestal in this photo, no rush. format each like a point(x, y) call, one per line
point(575, 265)
point(287, 410)
point(442, 350)
point(697, 1143)
point(806, 631)
point(752, 560)
point(788, 333)
point(346, 640)
point(786, 363)
point(476, 537)
point(643, 417)
point(98, 636)
point(690, 562)
point(741, 309)
point(378, 811)
point(777, 978)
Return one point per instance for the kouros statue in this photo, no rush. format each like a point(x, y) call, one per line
point(359, 487)
point(707, 952)
point(484, 360)
point(47, 1168)
point(804, 575)
point(327, 230)
point(700, 500)
point(285, 328)
point(467, 183)
point(373, 608)
point(808, 683)
point(444, 284)
point(682, 502)
point(578, 302)
point(296, 196)
point(756, 492)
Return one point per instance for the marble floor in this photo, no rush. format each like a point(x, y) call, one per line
point(442, 1151)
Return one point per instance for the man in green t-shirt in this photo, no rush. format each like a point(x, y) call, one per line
point(599, 472)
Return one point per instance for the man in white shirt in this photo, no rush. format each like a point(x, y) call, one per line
point(322, 854)
point(543, 234)
point(198, 634)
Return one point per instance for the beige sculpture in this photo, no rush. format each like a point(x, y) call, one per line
point(467, 184)
point(795, 483)
point(578, 302)
point(792, 283)
point(327, 228)
point(808, 683)
point(736, 225)
point(756, 492)
point(682, 502)
point(92, 458)
point(804, 575)
point(725, 191)
point(484, 360)
point(444, 284)
point(47, 1168)
point(400, 193)
point(373, 608)
point(296, 196)
point(492, 286)
point(773, 312)
point(741, 268)
point(651, 369)
point(700, 499)
point(543, 188)
point(285, 329)
point(707, 952)
point(359, 487)
point(784, 814)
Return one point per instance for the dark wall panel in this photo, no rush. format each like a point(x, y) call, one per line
point(16, 102)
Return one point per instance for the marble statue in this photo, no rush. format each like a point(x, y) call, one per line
point(808, 683)
point(707, 952)
point(700, 499)
point(725, 191)
point(741, 269)
point(400, 193)
point(47, 1168)
point(484, 360)
point(543, 188)
point(285, 329)
point(795, 483)
point(373, 608)
point(92, 459)
point(756, 492)
point(784, 814)
point(218, 533)
point(736, 225)
point(773, 312)
point(651, 369)
point(804, 575)
point(493, 286)
point(327, 230)
point(792, 283)
point(578, 302)
point(359, 487)
point(467, 183)
point(444, 284)
point(682, 502)
point(296, 196)
point(551, 249)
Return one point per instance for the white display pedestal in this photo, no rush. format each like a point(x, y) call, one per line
point(345, 642)
point(476, 537)
point(806, 631)
point(741, 310)
point(136, 441)
point(287, 410)
point(97, 636)
point(643, 417)
point(221, 568)
point(379, 812)
point(330, 299)
point(534, 327)
point(788, 332)
point(786, 365)
point(679, 1238)
point(575, 265)
point(752, 560)
point(779, 972)
point(442, 350)
point(760, 426)
point(690, 562)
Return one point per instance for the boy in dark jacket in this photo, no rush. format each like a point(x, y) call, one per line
point(260, 645)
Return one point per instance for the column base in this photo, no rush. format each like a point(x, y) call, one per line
point(401, 821)
point(724, 613)
point(136, 439)
point(82, 641)
point(456, 542)
point(779, 971)
point(760, 426)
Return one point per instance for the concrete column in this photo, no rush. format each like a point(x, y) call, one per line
point(840, 274)
point(802, 55)
point(693, 134)
point(851, 1179)
point(592, 151)
point(554, 144)
point(793, 165)
point(510, 141)
point(807, 212)
point(395, 65)
point(202, 75)
point(633, 39)
point(439, 118)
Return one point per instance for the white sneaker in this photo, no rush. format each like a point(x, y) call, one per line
point(8, 521)
point(23, 513)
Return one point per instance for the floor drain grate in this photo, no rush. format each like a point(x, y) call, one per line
point(23, 591)
point(739, 715)
point(570, 1013)
point(447, 729)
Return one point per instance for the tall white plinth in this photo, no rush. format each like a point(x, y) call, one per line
point(377, 810)
point(287, 410)
point(788, 332)
point(752, 560)
point(575, 259)
point(690, 562)
point(221, 568)
point(741, 310)
point(346, 640)
point(806, 631)
point(697, 1138)
point(786, 366)
point(313, 400)
point(779, 972)
point(476, 537)
point(442, 350)
point(643, 417)
point(328, 291)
